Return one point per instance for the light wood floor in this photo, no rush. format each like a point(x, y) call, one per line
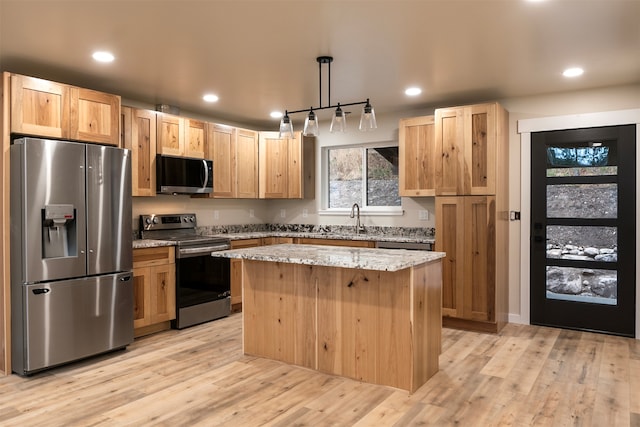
point(198, 377)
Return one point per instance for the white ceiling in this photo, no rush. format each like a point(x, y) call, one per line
point(259, 56)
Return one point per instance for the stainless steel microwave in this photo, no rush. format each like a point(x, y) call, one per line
point(183, 175)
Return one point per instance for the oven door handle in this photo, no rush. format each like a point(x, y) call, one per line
point(201, 250)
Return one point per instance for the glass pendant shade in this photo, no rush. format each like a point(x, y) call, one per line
point(339, 121)
point(368, 118)
point(286, 127)
point(311, 125)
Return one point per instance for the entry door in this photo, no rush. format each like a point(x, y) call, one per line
point(583, 229)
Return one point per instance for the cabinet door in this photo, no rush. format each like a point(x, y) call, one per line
point(170, 134)
point(480, 138)
point(141, 297)
point(273, 155)
point(139, 136)
point(195, 138)
point(449, 128)
point(222, 149)
point(417, 150)
point(247, 164)
point(163, 293)
point(94, 116)
point(450, 239)
point(39, 107)
point(479, 284)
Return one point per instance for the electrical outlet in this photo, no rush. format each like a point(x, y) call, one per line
point(423, 215)
point(283, 213)
point(305, 213)
point(216, 214)
point(252, 213)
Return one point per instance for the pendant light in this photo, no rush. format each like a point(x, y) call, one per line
point(311, 125)
point(368, 118)
point(338, 123)
point(286, 127)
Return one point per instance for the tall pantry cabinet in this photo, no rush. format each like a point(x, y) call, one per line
point(471, 172)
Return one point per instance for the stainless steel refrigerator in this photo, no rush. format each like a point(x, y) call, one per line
point(71, 252)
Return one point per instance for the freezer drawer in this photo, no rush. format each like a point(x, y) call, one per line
point(69, 320)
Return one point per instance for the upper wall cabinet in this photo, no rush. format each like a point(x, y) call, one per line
point(235, 158)
point(94, 116)
point(49, 109)
point(180, 136)
point(417, 148)
point(139, 135)
point(170, 134)
point(286, 166)
point(468, 140)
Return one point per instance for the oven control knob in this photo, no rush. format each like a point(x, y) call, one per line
point(192, 218)
point(148, 220)
point(155, 220)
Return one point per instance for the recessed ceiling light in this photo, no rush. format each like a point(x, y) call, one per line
point(573, 72)
point(210, 97)
point(413, 91)
point(276, 114)
point(102, 56)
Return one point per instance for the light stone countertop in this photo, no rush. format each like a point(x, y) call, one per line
point(150, 243)
point(371, 237)
point(334, 256)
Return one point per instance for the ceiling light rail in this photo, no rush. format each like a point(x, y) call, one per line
point(338, 122)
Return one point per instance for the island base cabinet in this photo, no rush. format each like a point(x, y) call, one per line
point(374, 326)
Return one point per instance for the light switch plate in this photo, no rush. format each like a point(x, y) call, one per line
point(423, 215)
point(283, 213)
point(216, 214)
point(252, 213)
point(305, 213)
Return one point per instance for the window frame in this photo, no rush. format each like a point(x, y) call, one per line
point(364, 210)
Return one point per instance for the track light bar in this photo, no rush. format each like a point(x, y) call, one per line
point(338, 123)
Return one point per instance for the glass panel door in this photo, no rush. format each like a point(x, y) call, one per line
point(583, 229)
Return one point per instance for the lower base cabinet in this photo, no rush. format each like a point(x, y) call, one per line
point(475, 269)
point(154, 280)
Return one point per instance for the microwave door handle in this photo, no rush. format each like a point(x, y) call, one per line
point(206, 174)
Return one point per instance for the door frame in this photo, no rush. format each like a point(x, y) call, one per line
point(525, 128)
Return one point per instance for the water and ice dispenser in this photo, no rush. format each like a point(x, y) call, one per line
point(59, 231)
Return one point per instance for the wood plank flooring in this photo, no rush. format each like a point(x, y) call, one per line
point(524, 376)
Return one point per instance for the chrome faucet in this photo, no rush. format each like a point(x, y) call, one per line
point(355, 213)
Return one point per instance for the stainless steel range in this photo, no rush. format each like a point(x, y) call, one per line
point(203, 283)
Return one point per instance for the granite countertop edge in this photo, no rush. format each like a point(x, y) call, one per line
point(151, 243)
point(331, 256)
point(329, 235)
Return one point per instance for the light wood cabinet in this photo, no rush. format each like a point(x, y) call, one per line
point(139, 136)
point(474, 272)
point(468, 156)
point(39, 107)
point(417, 149)
point(94, 116)
point(246, 164)
point(170, 134)
point(286, 166)
point(49, 109)
point(154, 279)
point(195, 138)
point(235, 157)
point(180, 136)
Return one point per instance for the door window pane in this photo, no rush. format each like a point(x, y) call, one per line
point(582, 243)
point(582, 284)
point(582, 201)
point(588, 159)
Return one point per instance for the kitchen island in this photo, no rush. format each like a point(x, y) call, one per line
point(369, 314)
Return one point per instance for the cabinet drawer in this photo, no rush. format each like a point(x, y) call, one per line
point(150, 257)
point(246, 243)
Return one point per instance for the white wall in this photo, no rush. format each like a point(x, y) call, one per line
point(237, 211)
